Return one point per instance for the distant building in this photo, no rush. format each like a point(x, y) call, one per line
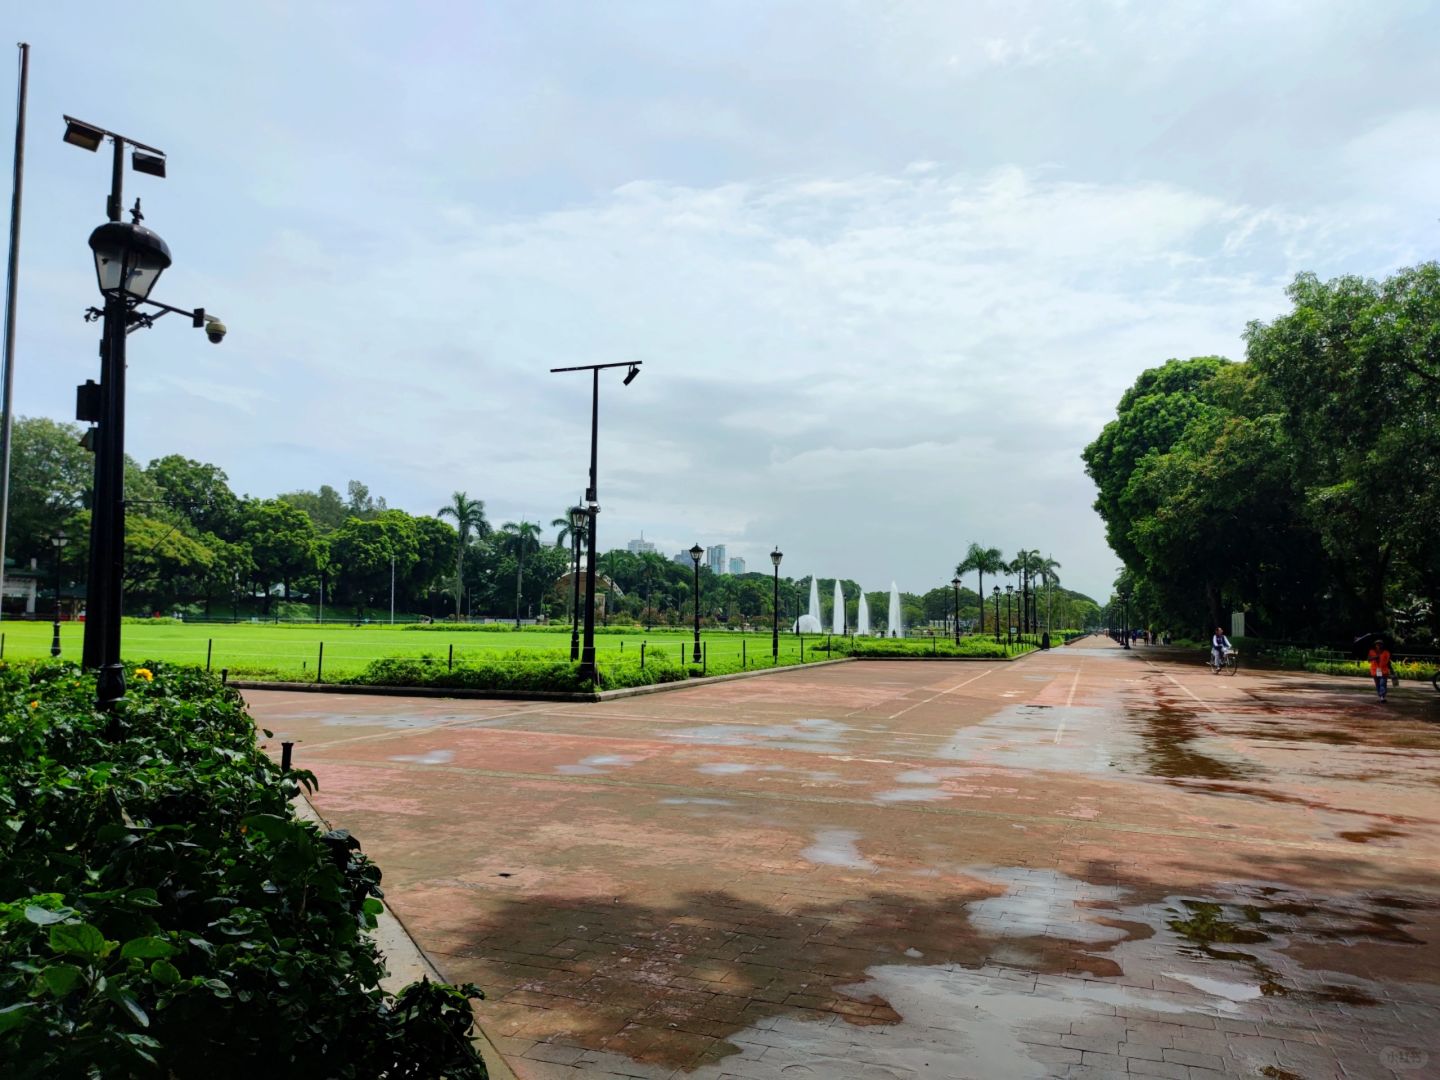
point(681, 557)
point(640, 547)
point(715, 559)
point(737, 566)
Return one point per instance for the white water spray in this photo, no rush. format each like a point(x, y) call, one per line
point(862, 619)
point(837, 616)
point(895, 624)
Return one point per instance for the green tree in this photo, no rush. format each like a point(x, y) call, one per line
point(520, 539)
point(281, 544)
point(983, 561)
point(199, 493)
point(470, 520)
point(50, 479)
point(325, 508)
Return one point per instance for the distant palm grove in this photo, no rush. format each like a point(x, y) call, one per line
point(193, 546)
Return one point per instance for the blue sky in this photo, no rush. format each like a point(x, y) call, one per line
point(889, 266)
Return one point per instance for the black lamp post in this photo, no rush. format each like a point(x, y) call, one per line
point(1125, 620)
point(955, 584)
point(996, 593)
point(58, 542)
point(775, 557)
point(592, 508)
point(695, 554)
point(129, 260)
point(579, 516)
point(1009, 592)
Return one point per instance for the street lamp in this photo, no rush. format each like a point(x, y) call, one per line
point(775, 557)
point(1009, 592)
point(578, 517)
point(58, 542)
point(587, 649)
point(695, 553)
point(1125, 620)
point(955, 584)
point(997, 613)
point(129, 260)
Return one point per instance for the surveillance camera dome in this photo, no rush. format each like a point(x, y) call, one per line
point(215, 331)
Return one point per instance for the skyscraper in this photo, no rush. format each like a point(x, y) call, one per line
point(715, 559)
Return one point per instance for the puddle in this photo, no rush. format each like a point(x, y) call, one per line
point(430, 757)
point(1227, 990)
point(1167, 736)
point(814, 735)
point(1059, 739)
point(837, 847)
point(729, 768)
point(696, 802)
point(1041, 903)
point(598, 764)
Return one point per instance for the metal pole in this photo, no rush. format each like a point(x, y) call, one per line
point(574, 594)
point(957, 614)
point(697, 609)
point(587, 647)
point(392, 589)
point(775, 619)
point(11, 285)
point(108, 536)
point(55, 640)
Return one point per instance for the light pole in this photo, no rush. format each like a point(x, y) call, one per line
point(1009, 592)
point(695, 554)
point(775, 557)
point(579, 516)
point(58, 542)
point(592, 507)
point(1125, 620)
point(996, 594)
point(129, 259)
point(955, 584)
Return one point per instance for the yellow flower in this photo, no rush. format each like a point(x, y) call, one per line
point(34, 704)
point(144, 673)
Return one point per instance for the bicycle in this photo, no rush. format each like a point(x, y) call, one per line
point(1231, 664)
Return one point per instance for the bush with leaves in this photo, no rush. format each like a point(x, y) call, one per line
point(163, 913)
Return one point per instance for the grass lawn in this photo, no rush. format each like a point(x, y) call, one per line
point(291, 651)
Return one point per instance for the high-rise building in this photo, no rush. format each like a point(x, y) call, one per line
point(737, 566)
point(640, 547)
point(681, 557)
point(715, 559)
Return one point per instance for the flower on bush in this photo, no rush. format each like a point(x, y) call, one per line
point(144, 673)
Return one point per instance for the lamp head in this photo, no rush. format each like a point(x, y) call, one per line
point(696, 553)
point(955, 581)
point(776, 556)
point(630, 375)
point(129, 259)
point(578, 517)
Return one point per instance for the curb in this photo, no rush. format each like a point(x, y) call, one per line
point(406, 962)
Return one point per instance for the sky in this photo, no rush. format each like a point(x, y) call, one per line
point(888, 266)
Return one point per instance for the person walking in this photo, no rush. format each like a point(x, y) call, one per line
point(1380, 669)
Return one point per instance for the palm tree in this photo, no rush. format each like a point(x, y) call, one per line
point(521, 539)
point(1046, 569)
point(983, 561)
point(1025, 565)
point(567, 531)
point(469, 515)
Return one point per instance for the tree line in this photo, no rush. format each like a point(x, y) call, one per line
point(1301, 486)
point(194, 546)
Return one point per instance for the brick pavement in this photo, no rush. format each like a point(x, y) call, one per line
point(1088, 863)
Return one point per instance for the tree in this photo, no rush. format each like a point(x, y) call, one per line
point(364, 555)
point(324, 507)
point(199, 493)
point(281, 544)
point(520, 539)
point(469, 515)
point(50, 480)
point(983, 561)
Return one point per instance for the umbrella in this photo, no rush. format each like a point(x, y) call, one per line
point(1364, 641)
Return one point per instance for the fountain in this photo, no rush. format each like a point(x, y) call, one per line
point(837, 616)
point(862, 620)
point(895, 625)
point(810, 622)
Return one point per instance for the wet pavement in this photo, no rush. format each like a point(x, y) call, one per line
point(1088, 863)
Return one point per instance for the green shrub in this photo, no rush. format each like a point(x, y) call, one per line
point(920, 647)
point(163, 913)
point(514, 669)
point(1406, 669)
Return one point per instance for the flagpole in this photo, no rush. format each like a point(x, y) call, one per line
point(11, 285)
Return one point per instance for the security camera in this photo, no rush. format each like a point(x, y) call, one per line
point(214, 330)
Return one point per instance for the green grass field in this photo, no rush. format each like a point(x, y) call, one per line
point(291, 651)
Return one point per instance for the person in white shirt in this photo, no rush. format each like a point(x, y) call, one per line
point(1219, 649)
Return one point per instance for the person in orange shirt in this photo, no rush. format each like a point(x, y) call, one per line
point(1380, 667)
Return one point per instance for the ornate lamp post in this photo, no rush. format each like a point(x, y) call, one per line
point(775, 557)
point(1009, 592)
point(58, 542)
point(1125, 620)
point(955, 584)
point(696, 553)
point(129, 260)
point(996, 594)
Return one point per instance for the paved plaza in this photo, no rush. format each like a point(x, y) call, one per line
point(1085, 863)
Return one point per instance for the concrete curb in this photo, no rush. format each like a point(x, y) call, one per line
point(406, 962)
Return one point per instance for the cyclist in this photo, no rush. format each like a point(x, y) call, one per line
point(1219, 650)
